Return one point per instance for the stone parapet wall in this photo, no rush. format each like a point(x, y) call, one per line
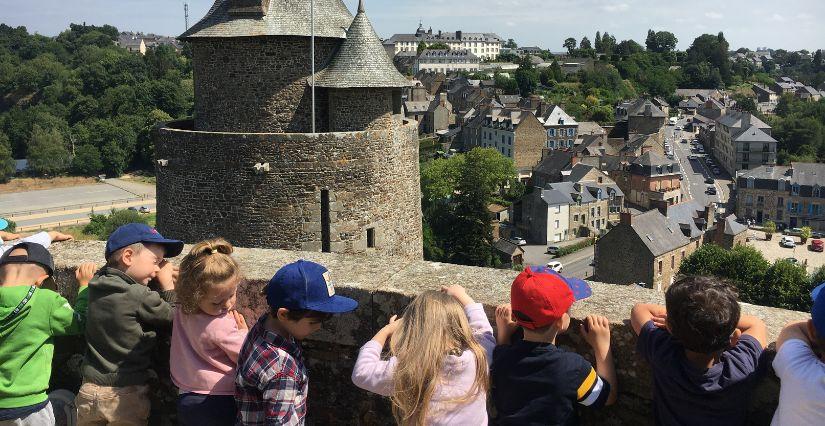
point(383, 287)
point(208, 185)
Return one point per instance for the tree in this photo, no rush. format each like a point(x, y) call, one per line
point(114, 159)
point(527, 78)
point(628, 47)
point(597, 43)
point(585, 44)
point(708, 259)
point(747, 104)
point(7, 167)
point(103, 225)
point(47, 152)
point(508, 85)
point(786, 286)
point(510, 44)
point(570, 45)
point(770, 228)
point(87, 160)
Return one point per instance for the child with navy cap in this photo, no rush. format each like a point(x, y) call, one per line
point(535, 381)
point(123, 317)
point(800, 365)
point(271, 382)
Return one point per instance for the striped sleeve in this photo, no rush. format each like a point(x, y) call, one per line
point(593, 391)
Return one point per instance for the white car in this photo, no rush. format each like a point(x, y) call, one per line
point(556, 266)
point(519, 241)
point(787, 241)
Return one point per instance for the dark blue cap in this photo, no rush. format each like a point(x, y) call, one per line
point(578, 286)
point(818, 309)
point(306, 285)
point(132, 233)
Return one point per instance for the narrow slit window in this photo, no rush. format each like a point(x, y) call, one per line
point(325, 226)
point(370, 237)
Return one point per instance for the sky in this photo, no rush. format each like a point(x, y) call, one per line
point(786, 24)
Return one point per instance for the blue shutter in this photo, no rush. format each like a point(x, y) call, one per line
point(790, 209)
point(810, 209)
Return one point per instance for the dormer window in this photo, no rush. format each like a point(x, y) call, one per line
point(795, 189)
point(751, 181)
point(817, 191)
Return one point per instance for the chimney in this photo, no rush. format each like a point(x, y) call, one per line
point(648, 109)
point(574, 159)
point(439, 33)
point(626, 218)
point(458, 35)
point(746, 120)
point(442, 98)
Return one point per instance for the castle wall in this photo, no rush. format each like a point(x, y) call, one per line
point(383, 287)
point(359, 109)
point(258, 84)
point(209, 187)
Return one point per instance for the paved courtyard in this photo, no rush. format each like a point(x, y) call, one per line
point(773, 251)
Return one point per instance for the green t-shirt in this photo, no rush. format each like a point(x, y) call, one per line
point(26, 344)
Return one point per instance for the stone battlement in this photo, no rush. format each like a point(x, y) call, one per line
point(383, 287)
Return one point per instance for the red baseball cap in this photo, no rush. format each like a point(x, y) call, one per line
point(540, 296)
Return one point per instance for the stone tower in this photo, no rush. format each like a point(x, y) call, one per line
point(246, 168)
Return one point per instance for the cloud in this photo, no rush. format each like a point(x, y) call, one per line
point(616, 7)
point(777, 18)
point(714, 15)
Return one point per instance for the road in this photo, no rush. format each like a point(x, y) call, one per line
point(575, 265)
point(697, 171)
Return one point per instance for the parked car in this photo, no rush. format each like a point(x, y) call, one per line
point(793, 260)
point(817, 245)
point(711, 190)
point(518, 241)
point(709, 180)
point(787, 241)
point(796, 232)
point(134, 209)
point(691, 157)
point(553, 249)
point(555, 265)
point(716, 171)
point(817, 234)
point(684, 141)
point(145, 209)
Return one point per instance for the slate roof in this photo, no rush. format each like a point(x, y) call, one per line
point(639, 108)
point(732, 227)
point(652, 159)
point(554, 197)
point(578, 171)
point(591, 128)
point(507, 247)
point(417, 106)
point(733, 119)
point(752, 134)
point(657, 233)
point(554, 163)
point(686, 213)
point(238, 18)
point(361, 61)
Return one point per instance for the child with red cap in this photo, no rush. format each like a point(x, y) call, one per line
point(534, 381)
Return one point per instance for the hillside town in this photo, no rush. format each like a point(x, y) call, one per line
point(405, 208)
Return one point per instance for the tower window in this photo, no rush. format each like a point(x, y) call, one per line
point(325, 225)
point(370, 237)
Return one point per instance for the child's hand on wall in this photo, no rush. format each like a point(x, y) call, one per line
point(459, 293)
point(505, 326)
point(84, 273)
point(596, 331)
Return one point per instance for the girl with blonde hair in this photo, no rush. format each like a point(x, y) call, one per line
point(438, 370)
point(207, 334)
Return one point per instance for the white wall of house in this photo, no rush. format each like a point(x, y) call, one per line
point(558, 223)
point(503, 140)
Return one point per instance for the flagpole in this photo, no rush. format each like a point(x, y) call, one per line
point(312, 54)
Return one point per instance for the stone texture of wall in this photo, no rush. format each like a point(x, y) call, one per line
point(529, 141)
point(383, 287)
point(209, 186)
point(359, 109)
point(258, 84)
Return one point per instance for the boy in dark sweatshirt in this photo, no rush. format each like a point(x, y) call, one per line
point(123, 314)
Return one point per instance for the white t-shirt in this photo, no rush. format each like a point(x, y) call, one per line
point(41, 238)
point(802, 395)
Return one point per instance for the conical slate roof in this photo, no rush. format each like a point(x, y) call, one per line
point(249, 18)
point(361, 61)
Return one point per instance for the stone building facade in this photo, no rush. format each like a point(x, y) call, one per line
point(516, 134)
point(246, 167)
point(654, 181)
point(791, 196)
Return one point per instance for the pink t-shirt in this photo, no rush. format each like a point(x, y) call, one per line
point(204, 353)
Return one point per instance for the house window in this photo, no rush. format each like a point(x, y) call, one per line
point(370, 237)
point(760, 199)
point(575, 218)
point(660, 267)
point(816, 191)
point(795, 189)
point(570, 132)
point(551, 132)
point(750, 182)
point(683, 255)
point(672, 262)
point(599, 211)
point(557, 224)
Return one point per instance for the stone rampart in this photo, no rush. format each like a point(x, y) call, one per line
point(383, 287)
point(357, 191)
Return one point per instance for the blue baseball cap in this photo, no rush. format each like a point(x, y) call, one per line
point(578, 286)
point(3, 224)
point(306, 285)
point(132, 233)
point(818, 309)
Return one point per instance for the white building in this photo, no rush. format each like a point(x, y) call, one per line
point(484, 45)
point(446, 61)
point(562, 129)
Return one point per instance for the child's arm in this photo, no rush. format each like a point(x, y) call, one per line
point(642, 313)
point(8, 236)
point(754, 327)
point(478, 321)
point(279, 401)
point(596, 331)
point(795, 330)
point(156, 306)
point(505, 326)
point(371, 372)
point(231, 341)
point(66, 321)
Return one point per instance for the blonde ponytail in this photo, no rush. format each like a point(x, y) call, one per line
point(208, 264)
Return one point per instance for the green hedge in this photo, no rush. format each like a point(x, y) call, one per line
point(564, 251)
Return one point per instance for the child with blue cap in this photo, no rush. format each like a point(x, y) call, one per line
point(271, 382)
point(800, 365)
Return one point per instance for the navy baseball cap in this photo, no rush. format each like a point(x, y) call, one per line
point(306, 285)
point(132, 233)
point(35, 253)
point(818, 309)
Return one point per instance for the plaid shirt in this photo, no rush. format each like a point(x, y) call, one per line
point(271, 382)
